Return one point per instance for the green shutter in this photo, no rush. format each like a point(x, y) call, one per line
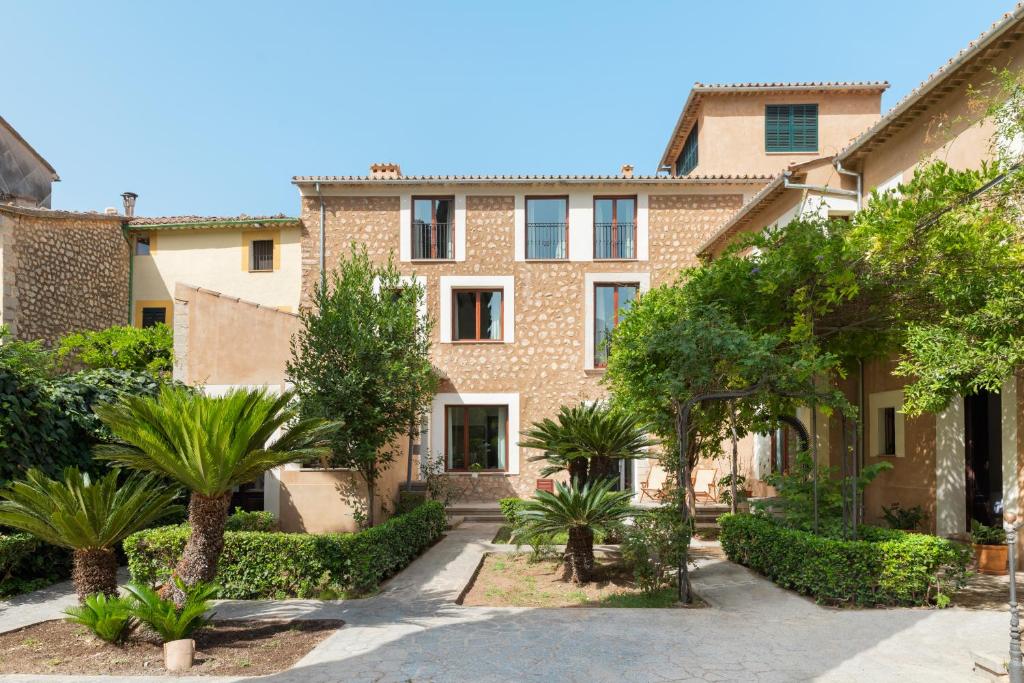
point(687, 160)
point(791, 128)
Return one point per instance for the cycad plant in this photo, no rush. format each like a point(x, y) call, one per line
point(169, 621)
point(209, 445)
point(88, 517)
point(578, 510)
point(108, 617)
point(588, 441)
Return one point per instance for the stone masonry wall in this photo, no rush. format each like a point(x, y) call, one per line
point(545, 364)
point(62, 271)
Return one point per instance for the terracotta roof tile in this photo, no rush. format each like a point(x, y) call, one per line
point(470, 179)
point(198, 221)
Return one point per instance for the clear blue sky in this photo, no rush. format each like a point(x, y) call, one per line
point(211, 107)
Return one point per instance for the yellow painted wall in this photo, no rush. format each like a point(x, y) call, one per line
point(215, 259)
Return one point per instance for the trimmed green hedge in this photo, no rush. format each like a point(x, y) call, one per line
point(510, 508)
point(28, 564)
point(256, 520)
point(258, 564)
point(886, 567)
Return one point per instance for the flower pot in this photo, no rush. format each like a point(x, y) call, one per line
point(992, 559)
point(178, 654)
point(475, 475)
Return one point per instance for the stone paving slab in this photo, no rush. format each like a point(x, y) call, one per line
point(752, 631)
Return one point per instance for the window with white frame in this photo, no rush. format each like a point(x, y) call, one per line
point(886, 424)
point(606, 298)
point(476, 432)
point(477, 308)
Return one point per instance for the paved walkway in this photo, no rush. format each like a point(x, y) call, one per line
point(753, 631)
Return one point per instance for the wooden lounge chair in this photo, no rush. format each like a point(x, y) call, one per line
point(704, 488)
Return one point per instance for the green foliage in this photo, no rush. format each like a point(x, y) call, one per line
point(587, 440)
point(244, 520)
point(888, 567)
point(28, 564)
point(510, 508)
point(982, 534)
point(142, 349)
point(168, 621)
point(362, 358)
point(78, 513)
point(654, 545)
point(209, 444)
point(258, 565)
point(906, 519)
point(725, 489)
point(110, 618)
point(409, 501)
point(25, 358)
point(593, 506)
point(797, 493)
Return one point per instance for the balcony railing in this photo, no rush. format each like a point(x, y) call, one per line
point(545, 240)
point(432, 241)
point(615, 241)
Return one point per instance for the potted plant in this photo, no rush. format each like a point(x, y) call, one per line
point(173, 625)
point(990, 548)
point(475, 469)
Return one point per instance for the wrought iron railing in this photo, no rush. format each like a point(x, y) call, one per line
point(432, 241)
point(613, 241)
point(546, 240)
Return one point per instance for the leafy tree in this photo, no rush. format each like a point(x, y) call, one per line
point(587, 441)
point(209, 445)
point(362, 358)
point(121, 347)
point(90, 518)
point(578, 510)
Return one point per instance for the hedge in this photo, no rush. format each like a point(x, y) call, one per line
point(258, 564)
point(885, 567)
point(28, 564)
point(510, 509)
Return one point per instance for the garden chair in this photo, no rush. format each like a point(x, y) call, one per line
point(704, 489)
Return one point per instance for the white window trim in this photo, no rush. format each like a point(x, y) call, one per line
point(581, 225)
point(876, 402)
point(589, 280)
point(405, 229)
point(441, 401)
point(504, 282)
point(421, 309)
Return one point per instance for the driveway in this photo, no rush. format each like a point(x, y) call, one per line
point(753, 631)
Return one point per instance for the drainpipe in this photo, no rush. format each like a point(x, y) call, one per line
point(323, 240)
point(858, 462)
point(131, 268)
point(824, 189)
point(839, 169)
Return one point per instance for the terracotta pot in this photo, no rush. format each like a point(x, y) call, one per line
point(992, 559)
point(178, 654)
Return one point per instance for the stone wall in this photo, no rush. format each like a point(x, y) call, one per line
point(62, 271)
point(545, 363)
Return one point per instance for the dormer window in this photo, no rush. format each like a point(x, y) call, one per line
point(687, 160)
point(791, 128)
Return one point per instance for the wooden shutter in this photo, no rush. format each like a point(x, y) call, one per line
point(791, 128)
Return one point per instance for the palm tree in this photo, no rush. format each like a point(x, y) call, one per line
point(588, 441)
point(89, 517)
point(209, 445)
point(578, 511)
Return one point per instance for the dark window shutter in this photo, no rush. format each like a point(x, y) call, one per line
point(152, 316)
point(791, 128)
point(262, 255)
point(688, 157)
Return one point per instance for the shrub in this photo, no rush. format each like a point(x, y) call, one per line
point(654, 545)
point(120, 347)
point(108, 617)
point(161, 615)
point(259, 564)
point(244, 520)
point(982, 534)
point(28, 564)
point(409, 501)
point(907, 519)
point(885, 567)
point(510, 509)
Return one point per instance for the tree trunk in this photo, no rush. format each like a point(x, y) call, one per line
point(579, 553)
point(370, 490)
point(603, 468)
point(578, 471)
point(95, 571)
point(198, 563)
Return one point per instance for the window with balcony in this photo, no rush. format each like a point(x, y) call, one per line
point(611, 301)
point(477, 315)
point(687, 160)
point(615, 228)
point(433, 228)
point(476, 435)
point(791, 128)
point(547, 227)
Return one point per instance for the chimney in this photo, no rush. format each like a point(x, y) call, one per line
point(385, 171)
point(627, 170)
point(129, 203)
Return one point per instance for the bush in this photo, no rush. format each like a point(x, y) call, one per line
point(886, 567)
point(409, 501)
point(654, 545)
point(108, 617)
point(258, 564)
point(510, 509)
point(148, 349)
point(243, 520)
point(164, 618)
point(28, 564)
